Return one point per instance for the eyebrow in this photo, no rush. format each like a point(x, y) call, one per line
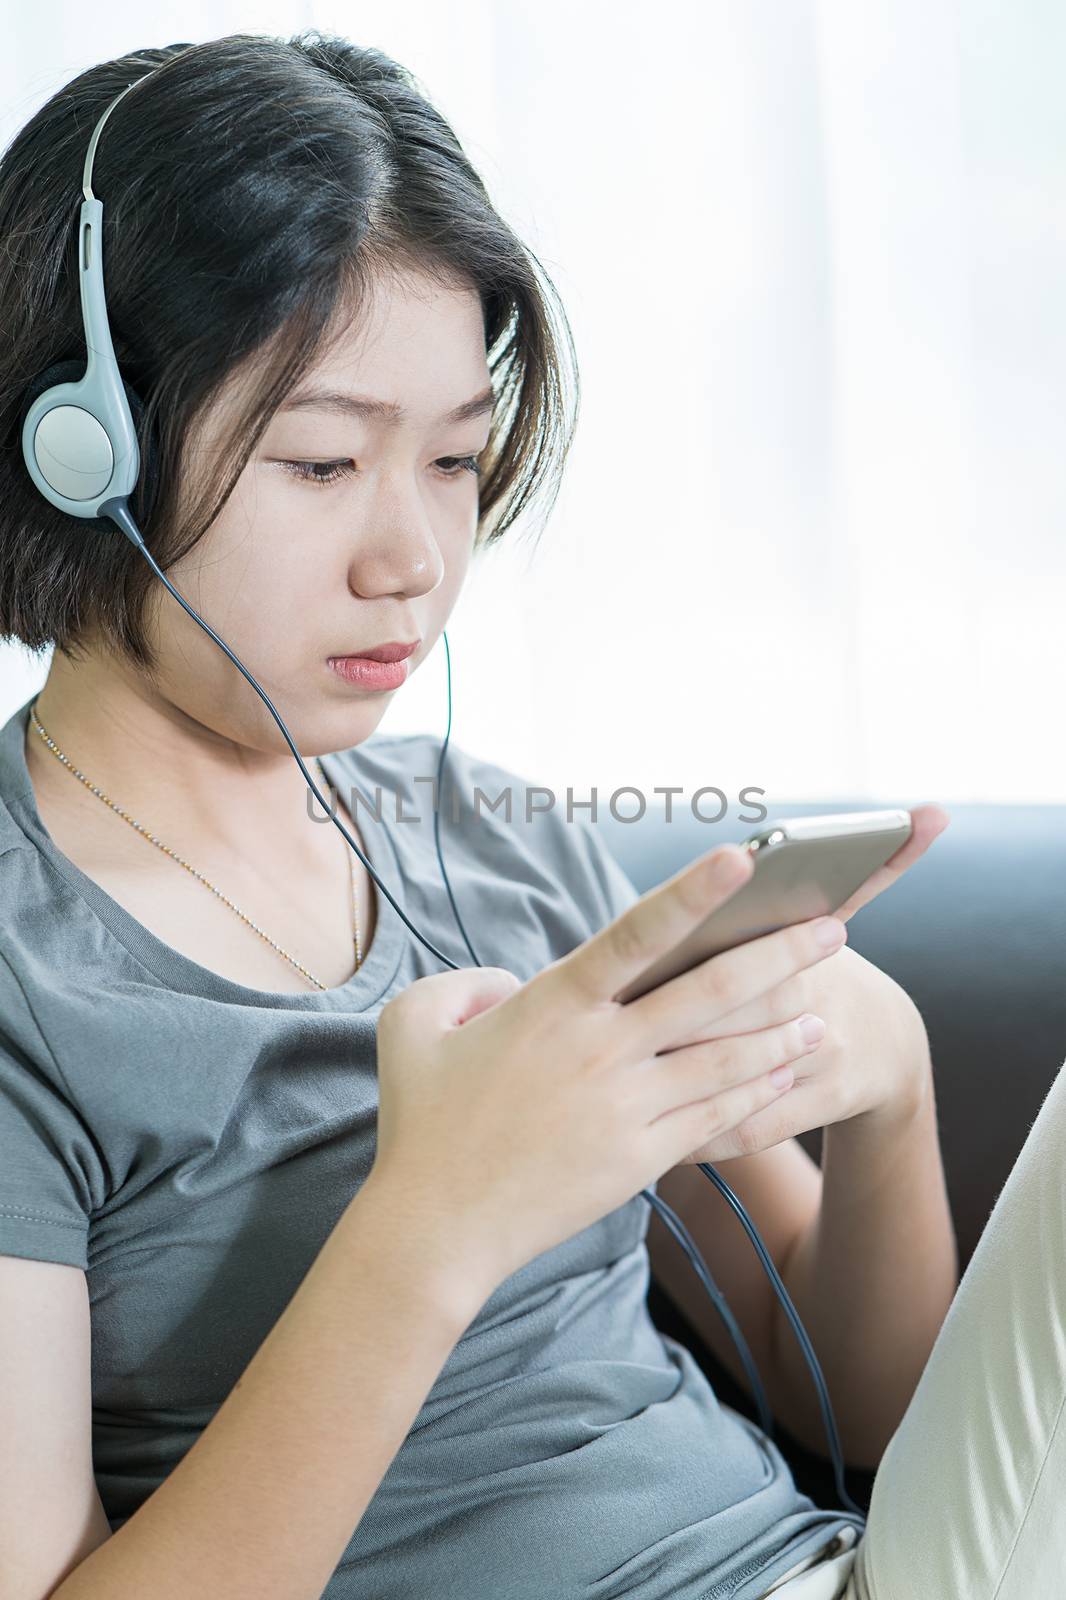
point(363, 406)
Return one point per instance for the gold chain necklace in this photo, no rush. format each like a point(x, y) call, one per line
point(39, 726)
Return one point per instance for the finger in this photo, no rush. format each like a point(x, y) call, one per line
point(789, 1114)
point(927, 823)
point(713, 988)
point(789, 1000)
point(654, 924)
point(769, 1124)
point(720, 1066)
point(677, 1133)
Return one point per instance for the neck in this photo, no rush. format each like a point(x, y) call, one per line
point(167, 768)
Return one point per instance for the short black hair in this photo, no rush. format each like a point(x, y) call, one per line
point(252, 191)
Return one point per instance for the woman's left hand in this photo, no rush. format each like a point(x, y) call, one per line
point(873, 1060)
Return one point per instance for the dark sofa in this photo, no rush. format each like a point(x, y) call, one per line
point(976, 934)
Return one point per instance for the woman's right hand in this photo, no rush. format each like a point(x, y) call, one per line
point(515, 1114)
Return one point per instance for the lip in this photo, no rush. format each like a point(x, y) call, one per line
point(382, 668)
point(393, 650)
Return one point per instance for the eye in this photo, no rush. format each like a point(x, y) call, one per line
point(309, 471)
point(333, 471)
point(463, 464)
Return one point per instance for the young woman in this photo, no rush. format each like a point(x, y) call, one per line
point(322, 1269)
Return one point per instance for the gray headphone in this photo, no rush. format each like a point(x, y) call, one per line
point(79, 436)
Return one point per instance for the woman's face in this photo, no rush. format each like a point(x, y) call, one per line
point(295, 571)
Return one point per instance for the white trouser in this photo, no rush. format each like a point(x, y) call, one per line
point(969, 1500)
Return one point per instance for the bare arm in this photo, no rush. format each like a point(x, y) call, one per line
point(264, 1503)
point(866, 1249)
point(872, 1277)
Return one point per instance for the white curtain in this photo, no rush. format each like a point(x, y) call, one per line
point(811, 534)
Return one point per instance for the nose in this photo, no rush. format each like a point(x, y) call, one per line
point(400, 558)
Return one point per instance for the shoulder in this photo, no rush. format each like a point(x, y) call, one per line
point(517, 825)
point(43, 920)
point(12, 837)
point(27, 975)
point(21, 868)
point(27, 895)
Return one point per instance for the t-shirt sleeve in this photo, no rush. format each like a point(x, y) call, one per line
point(49, 1164)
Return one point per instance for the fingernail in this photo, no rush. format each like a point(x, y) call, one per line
point(811, 1028)
point(781, 1077)
point(829, 931)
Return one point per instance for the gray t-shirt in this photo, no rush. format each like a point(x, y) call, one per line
point(190, 1143)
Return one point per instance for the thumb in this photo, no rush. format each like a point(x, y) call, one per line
point(448, 999)
point(483, 988)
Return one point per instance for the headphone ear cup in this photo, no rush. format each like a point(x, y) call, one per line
point(71, 372)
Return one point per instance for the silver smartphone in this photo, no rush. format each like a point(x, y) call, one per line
point(805, 867)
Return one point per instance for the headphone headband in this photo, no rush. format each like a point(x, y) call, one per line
point(90, 154)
